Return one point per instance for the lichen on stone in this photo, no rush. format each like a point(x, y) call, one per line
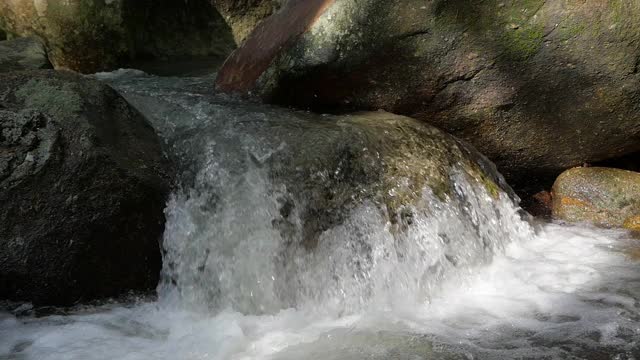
point(54, 98)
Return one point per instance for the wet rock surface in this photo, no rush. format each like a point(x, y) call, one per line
point(301, 191)
point(602, 196)
point(528, 83)
point(391, 160)
point(22, 54)
point(328, 165)
point(83, 184)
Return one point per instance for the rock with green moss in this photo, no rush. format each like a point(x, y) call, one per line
point(602, 196)
point(83, 184)
point(333, 164)
point(96, 35)
point(22, 54)
point(537, 86)
point(244, 15)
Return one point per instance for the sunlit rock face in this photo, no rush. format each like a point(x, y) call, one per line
point(89, 36)
point(602, 196)
point(527, 82)
point(83, 185)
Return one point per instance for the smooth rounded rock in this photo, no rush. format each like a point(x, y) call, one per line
point(602, 196)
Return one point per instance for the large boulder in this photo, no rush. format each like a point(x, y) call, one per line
point(318, 198)
point(90, 36)
point(391, 160)
point(529, 83)
point(602, 196)
point(83, 184)
point(330, 165)
point(244, 15)
point(22, 54)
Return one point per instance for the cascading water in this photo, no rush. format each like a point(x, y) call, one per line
point(464, 278)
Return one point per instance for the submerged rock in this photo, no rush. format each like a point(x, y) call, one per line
point(244, 15)
point(277, 208)
point(526, 82)
point(83, 184)
point(91, 36)
point(602, 196)
point(23, 54)
point(331, 165)
point(374, 156)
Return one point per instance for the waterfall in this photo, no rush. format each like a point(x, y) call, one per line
point(235, 235)
point(398, 267)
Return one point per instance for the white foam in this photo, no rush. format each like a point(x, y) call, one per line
point(568, 286)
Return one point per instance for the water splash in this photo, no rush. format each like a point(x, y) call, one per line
point(236, 236)
point(464, 278)
point(230, 255)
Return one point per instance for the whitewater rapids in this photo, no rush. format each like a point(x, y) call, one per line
point(569, 292)
point(472, 280)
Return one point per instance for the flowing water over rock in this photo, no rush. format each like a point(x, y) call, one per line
point(454, 274)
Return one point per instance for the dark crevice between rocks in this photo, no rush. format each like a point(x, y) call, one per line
point(29, 310)
point(172, 37)
point(627, 162)
point(414, 34)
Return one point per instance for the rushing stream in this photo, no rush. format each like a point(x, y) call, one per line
point(468, 279)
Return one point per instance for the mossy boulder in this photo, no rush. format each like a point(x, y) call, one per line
point(22, 54)
point(244, 15)
point(96, 35)
point(537, 86)
point(331, 165)
point(83, 184)
point(380, 157)
point(602, 196)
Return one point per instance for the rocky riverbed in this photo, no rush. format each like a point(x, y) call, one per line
point(180, 211)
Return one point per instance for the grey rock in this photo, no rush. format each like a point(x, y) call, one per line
point(83, 183)
point(22, 54)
